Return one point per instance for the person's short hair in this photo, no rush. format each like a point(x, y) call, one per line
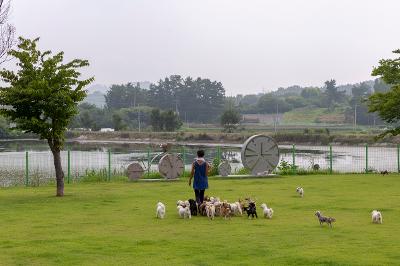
point(200, 153)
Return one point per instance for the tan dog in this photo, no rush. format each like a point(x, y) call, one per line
point(210, 210)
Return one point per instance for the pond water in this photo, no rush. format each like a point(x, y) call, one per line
point(94, 155)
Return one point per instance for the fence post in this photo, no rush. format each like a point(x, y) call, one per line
point(109, 164)
point(148, 162)
point(294, 159)
point(184, 160)
point(366, 158)
point(330, 160)
point(398, 158)
point(26, 169)
point(69, 166)
point(219, 154)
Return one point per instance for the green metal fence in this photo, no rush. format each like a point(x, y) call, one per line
point(32, 168)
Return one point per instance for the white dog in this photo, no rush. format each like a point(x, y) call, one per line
point(268, 212)
point(210, 210)
point(160, 211)
point(182, 203)
point(184, 212)
point(236, 209)
point(300, 190)
point(376, 217)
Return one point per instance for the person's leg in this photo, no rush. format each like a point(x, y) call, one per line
point(201, 195)
point(197, 195)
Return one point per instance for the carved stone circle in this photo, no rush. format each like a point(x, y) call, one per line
point(135, 171)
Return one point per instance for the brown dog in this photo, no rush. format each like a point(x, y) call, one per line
point(226, 210)
point(202, 208)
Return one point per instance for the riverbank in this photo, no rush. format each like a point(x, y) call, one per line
point(299, 138)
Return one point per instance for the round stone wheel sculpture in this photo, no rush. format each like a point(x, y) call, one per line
point(135, 171)
point(170, 166)
point(224, 169)
point(260, 154)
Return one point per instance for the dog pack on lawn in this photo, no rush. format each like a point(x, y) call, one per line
point(214, 207)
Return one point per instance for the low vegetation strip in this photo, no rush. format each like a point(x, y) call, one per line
point(114, 224)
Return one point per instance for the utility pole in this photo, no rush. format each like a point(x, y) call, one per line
point(276, 117)
point(355, 116)
point(139, 117)
point(134, 93)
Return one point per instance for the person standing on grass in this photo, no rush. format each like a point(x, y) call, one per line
point(199, 172)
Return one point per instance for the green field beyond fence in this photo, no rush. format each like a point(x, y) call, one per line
point(34, 168)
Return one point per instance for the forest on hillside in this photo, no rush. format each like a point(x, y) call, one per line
point(198, 100)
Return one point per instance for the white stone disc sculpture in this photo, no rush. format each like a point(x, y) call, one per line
point(260, 154)
point(170, 166)
point(135, 171)
point(224, 169)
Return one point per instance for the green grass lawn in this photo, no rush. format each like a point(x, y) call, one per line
point(114, 224)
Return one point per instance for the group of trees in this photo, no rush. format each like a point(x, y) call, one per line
point(129, 105)
point(195, 100)
point(329, 96)
point(164, 120)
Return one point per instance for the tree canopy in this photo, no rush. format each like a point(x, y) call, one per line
point(387, 104)
point(43, 95)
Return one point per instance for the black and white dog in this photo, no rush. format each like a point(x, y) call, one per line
point(193, 207)
point(251, 210)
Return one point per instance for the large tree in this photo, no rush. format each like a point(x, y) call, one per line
point(269, 103)
point(125, 96)
point(7, 31)
point(230, 118)
point(387, 104)
point(332, 94)
point(42, 96)
point(199, 100)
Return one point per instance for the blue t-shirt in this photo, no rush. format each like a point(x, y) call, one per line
point(200, 175)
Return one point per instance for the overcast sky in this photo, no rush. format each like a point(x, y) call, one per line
point(249, 46)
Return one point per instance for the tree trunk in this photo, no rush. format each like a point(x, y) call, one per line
point(59, 172)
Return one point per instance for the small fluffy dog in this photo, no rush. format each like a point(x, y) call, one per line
point(323, 219)
point(182, 203)
point(251, 210)
point(202, 208)
point(217, 205)
point(184, 212)
point(385, 172)
point(210, 210)
point(193, 207)
point(225, 210)
point(160, 210)
point(236, 208)
point(300, 190)
point(268, 212)
point(376, 217)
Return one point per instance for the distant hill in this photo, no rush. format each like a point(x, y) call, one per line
point(96, 93)
point(96, 98)
point(296, 90)
point(292, 90)
point(347, 87)
point(98, 87)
